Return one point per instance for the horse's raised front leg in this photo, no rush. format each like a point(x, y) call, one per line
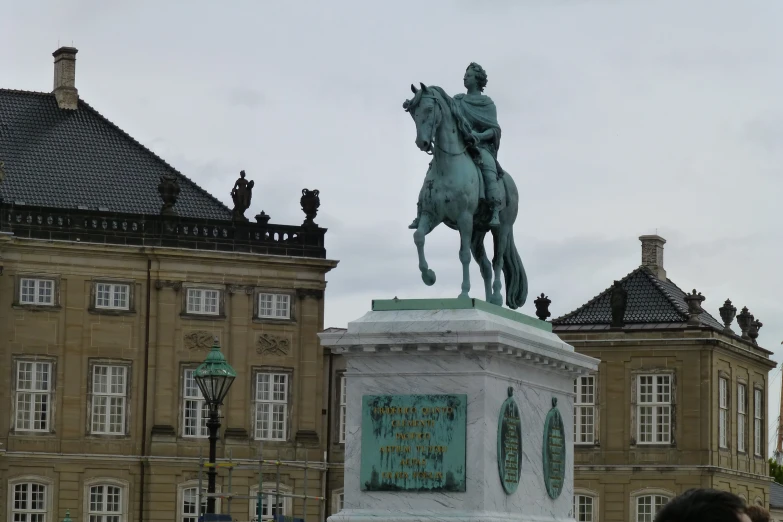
point(424, 228)
point(465, 225)
point(480, 255)
point(500, 239)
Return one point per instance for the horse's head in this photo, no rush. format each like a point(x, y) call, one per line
point(425, 111)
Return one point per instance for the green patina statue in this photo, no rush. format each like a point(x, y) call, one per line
point(465, 187)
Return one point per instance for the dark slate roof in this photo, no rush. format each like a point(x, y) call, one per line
point(775, 495)
point(66, 159)
point(652, 303)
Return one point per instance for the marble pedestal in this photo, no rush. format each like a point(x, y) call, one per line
point(461, 347)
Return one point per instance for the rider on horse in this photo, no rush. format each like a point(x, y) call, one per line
point(480, 112)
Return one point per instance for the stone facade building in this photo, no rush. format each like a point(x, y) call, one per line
point(106, 307)
point(679, 400)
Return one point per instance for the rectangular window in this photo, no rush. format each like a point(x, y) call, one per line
point(105, 504)
point(648, 505)
point(758, 425)
point(33, 395)
point(742, 415)
point(190, 513)
point(109, 389)
point(195, 411)
point(583, 508)
point(112, 296)
point(274, 306)
point(654, 409)
point(271, 406)
point(343, 408)
point(584, 410)
point(29, 503)
point(271, 505)
point(36, 291)
point(203, 301)
point(723, 413)
point(340, 501)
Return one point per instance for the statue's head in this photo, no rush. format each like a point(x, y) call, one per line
point(475, 75)
point(242, 173)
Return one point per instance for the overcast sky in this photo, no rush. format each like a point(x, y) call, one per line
point(619, 118)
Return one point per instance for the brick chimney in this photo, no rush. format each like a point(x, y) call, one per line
point(65, 78)
point(652, 254)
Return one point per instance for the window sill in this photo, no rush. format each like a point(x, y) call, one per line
point(203, 317)
point(107, 436)
point(272, 320)
point(110, 311)
point(36, 307)
point(22, 433)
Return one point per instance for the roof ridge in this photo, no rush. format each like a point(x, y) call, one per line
point(657, 284)
point(148, 151)
point(594, 299)
point(22, 91)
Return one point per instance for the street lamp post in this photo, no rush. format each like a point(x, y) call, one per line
point(214, 377)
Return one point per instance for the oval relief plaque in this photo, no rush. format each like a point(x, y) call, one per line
point(554, 451)
point(509, 444)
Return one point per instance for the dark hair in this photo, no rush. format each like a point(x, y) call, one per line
point(701, 505)
point(758, 514)
point(481, 75)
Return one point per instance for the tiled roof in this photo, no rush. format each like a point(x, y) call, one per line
point(77, 158)
point(651, 302)
point(775, 495)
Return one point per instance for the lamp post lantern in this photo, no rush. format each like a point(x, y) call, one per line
point(214, 377)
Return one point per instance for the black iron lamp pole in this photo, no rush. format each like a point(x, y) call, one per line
point(214, 377)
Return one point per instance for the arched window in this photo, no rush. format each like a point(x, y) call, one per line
point(187, 501)
point(645, 503)
point(271, 504)
point(29, 499)
point(105, 500)
point(585, 505)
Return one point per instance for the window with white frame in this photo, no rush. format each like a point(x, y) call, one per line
point(271, 406)
point(654, 408)
point(33, 396)
point(338, 500)
point(189, 511)
point(584, 410)
point(343, 409)
point(742, 415)
point(758, 430)
point(723, 412)
point(203, 301)
point(36, 291)
point(112, 296)
point(29, 502)
point(648, 505)
point(105, 503)
point(271, 504)
point(195, 411)
point(109, 389)
point(584, 508)
point(274, 306)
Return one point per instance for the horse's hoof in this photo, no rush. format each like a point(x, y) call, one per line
point(428, 277)
point(463, 296)
point(496, 300)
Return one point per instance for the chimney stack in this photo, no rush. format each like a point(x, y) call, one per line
point(65, 78)
point(652, 254)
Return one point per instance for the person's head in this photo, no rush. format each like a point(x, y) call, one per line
point(475, 76)
point(758, 514)
point(702, 505)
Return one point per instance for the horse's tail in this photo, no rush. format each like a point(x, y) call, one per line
point(514, 274)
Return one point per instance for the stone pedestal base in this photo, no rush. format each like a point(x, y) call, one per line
point(445, 347)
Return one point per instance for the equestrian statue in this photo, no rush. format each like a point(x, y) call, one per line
point(465, 187)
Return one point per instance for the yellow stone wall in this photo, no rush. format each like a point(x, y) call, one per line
point(73, 334)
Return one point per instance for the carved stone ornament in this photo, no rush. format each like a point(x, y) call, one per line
point(310, 203)
point(199, 340)
point(269, 344)
point(160, 284)
point(169, 191)
point(727, 314)
point(743, 320)
point(542, 303)
point(694, 300)
point(753, 331)
point(618, 301)
point(235, 289)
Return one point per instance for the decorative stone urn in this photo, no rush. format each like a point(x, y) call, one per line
point(694, 300)
point(542, 303)
point(743, 320)
point(753, 331)
point(310, 203)
point(727, 313)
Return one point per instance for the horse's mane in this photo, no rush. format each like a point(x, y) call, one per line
point(462, 123)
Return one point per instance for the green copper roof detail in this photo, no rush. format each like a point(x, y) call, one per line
point(387, 305)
